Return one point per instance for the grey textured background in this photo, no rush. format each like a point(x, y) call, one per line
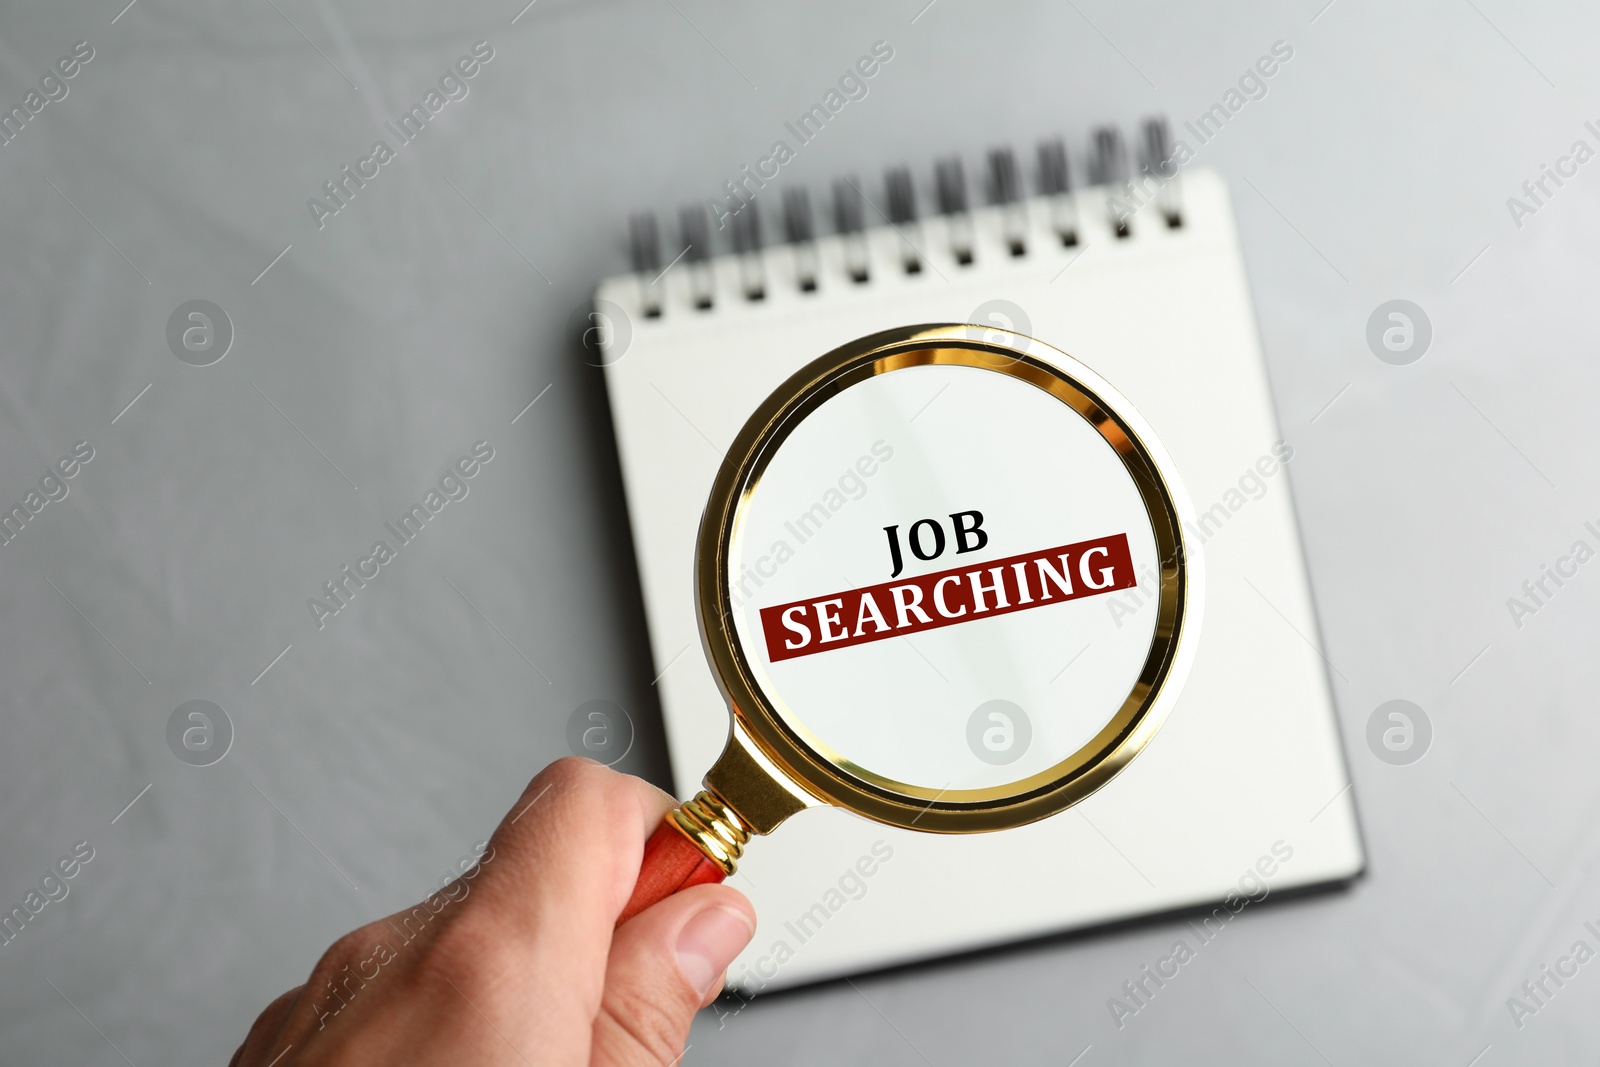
point(416, 322)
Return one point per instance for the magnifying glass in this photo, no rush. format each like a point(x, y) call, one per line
point(976, 626)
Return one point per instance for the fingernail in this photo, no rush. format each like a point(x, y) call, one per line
point(708, 943)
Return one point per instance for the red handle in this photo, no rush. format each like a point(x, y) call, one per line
point(671, 862)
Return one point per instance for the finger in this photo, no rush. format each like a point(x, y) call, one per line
point(667, 963)
point(264, 1031)
point(563, 864)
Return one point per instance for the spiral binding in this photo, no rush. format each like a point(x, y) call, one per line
point(1107, 165)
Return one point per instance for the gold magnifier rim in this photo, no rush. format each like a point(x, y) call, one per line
point(783, 738)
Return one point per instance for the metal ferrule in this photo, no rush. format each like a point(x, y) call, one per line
point(714, 827)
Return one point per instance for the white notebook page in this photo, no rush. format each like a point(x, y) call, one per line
point(1244, 785)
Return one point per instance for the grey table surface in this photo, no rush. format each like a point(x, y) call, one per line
point(367, 354)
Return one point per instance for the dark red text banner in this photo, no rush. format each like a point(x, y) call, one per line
point(944, 598)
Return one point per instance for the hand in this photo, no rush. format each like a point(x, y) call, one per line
point(518, 961)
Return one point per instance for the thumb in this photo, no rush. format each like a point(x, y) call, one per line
point(666, 963)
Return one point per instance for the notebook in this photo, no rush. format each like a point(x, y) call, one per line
point(1135, 271)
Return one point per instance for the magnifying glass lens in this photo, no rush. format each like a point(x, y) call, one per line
point(944, 580)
